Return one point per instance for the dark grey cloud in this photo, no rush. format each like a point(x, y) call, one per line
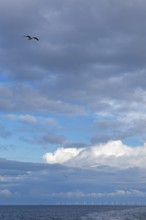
point(90, 58)
point(26, 182)
point(120, 127)
point(26, 166)
point(75, 145)
point(46, 139)
point(82, 47)
point(27, 99)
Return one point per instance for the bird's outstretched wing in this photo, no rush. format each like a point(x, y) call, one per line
point(36, 38)
point(28, 36)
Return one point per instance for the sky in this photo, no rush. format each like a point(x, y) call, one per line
point(73, 104)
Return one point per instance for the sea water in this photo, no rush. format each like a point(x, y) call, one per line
point(72, 212)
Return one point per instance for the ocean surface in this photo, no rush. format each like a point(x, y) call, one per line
point(72, 212)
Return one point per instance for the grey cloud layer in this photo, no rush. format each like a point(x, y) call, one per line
point(81, 47)
point(26, 182)
point(90, 58)
point(78, 38)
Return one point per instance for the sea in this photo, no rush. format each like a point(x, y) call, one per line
point(73, 212)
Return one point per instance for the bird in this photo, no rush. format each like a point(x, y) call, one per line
point(31, 38)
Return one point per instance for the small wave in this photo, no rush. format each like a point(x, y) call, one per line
point(128, 214)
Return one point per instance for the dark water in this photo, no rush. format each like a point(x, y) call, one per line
point(72, 213)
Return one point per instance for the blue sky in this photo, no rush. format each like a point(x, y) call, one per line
point(73, 104)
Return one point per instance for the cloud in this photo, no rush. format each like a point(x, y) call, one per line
point(50, 121)
point(5, 192)
point(33, 101)
point(30, 183)
point(114, 154)
point(45, 129)
point(27, 118)
point(83, 63)
point(82, 86)
point(4, 132)
point(23, 118)
point(119, 192)
point(49, 138)
point(61, 155)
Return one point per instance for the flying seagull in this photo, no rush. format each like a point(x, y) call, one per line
point(31, 38)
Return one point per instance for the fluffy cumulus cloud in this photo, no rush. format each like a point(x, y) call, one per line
point(61, 155)
point(114, 154)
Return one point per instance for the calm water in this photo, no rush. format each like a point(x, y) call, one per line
point(72, 213)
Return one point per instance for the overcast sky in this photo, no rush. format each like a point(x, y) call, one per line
point(73, 104)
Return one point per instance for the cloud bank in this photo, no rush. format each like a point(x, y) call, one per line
point(35, 183)
point(89, 62)
point(114, 154)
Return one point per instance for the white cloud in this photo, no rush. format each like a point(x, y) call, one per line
point(113, 153)
point(8, 193)
point(27, 118)
point(49, 121)
point(30, 119)
point(5, 192)
point(119, 192)
point(24, 118)
point(2, 178)
point(131, 192)
point(61, 155)
point(12, 179)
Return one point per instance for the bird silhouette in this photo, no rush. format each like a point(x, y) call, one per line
point(31, 38)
